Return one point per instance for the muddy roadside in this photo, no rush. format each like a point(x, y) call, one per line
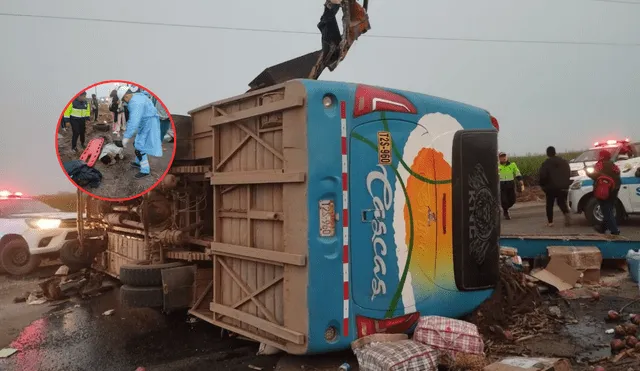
point(117, 179)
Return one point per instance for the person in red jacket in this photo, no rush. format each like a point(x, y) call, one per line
point(606, 168)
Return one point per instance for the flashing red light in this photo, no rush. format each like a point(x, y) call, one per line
point(494, 122)
point(18, 194)
point(5, 193)
point(399, 325)
point(612, 142)
point(370, 99)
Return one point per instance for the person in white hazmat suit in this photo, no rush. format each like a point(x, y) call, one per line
point(144, 123)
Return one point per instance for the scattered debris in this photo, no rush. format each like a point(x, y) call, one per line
point(7, 352)
point(558, 274)
point(267, 350)
point(35, 299)
point(62, 271)
point(109, 312)
point(610, 331)
point(530, 364)
point(555, 311)
point(255, 367)
point(85, 283)
point(22, 298)
point(344, 367)
point(191, 319)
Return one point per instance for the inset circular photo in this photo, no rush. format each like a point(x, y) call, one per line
point(115, 140)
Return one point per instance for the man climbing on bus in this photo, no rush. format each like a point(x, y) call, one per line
point(144, 122)
point(509, 175)
point(606, 185)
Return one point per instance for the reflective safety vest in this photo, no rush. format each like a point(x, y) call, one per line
point(78, 109)
point(509, 171)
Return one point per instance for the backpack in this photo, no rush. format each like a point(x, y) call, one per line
point(603, 186)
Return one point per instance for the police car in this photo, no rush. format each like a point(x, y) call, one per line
point(30, 231)
point(581, 197)
point(583, 164)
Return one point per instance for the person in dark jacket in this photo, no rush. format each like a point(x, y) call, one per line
point(606, 167)
point(555, 179)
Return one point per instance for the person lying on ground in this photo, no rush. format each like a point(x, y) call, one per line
point(144, 123)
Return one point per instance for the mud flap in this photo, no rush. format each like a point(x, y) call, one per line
point(178, 287)
point(476, 219)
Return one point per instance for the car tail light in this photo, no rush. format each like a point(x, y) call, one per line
point(494, 122)
point(370, 99)
point(368, 326)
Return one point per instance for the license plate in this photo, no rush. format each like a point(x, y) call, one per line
point(327, 218)
point(384, 148)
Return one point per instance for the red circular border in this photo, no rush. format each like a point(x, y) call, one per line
point(173, 154)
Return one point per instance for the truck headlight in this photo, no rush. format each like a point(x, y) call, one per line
point(576, 185)
point(590, 170)
point(44, 223)
point(582, 173)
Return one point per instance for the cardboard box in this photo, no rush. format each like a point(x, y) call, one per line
point(585, 259)
point(530, 364)
point(558, 274)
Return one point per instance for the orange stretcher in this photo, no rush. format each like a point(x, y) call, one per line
point(91, 154)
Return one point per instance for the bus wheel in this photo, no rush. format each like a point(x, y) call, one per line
point(15, 258)
point(142, 297)
point(144, 275)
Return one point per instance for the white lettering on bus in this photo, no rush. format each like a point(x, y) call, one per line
point(380, 206)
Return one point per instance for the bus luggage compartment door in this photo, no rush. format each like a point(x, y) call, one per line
point(476, 219)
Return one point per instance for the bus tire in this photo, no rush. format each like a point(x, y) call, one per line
point(144, 275)
point(594, 215)
point(142, 297)
point(15, 258)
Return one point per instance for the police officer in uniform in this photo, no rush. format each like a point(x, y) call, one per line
point(509, 175)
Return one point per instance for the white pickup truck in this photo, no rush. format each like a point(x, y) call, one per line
point(583, 164)
point(581, 197)
point(30, 231)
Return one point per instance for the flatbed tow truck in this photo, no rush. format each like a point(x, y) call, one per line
point(527, 232)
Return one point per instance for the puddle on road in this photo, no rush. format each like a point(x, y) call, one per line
point(591, 341)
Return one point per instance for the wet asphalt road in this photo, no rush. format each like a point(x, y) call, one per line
point(76, 336)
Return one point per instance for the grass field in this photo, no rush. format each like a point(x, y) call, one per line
point(529, 165)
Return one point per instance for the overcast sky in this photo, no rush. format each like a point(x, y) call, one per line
point(542, 94)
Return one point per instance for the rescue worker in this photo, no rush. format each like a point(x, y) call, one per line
point(144, 122)
point(555, 179)
point(509, 175)
point(606, 168)
point(78, 113)
point(94, 107)
point(165, 122)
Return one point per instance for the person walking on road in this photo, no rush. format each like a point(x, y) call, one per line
point(555, 179)
point(78, 113)
point(94, 107)
point(509, 175)
point(144, 122)
point(606, 185)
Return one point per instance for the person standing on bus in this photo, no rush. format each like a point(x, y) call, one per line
point(555, 179)
point(605, 171)
point(509, 175)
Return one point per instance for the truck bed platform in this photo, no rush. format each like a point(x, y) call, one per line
point(527, 232)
